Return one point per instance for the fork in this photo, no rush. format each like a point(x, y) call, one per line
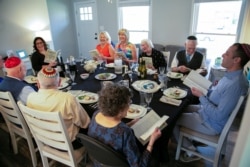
point(94, 105)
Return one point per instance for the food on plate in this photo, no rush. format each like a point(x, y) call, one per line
point(86, 97)
point(104, 76)
point(132, 110)
point(33, 79)
point(178, 75)
point(148, 86)
point(176, 93)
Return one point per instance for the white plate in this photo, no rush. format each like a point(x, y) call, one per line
point(110, 65)
point(175, 93)
point(64, 83)
point(174, 75)
point(136, 111)
point(87, 97)
point(105, 76)
point(31, 79)
point(146, 86)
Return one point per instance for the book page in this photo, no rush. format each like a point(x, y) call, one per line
point(50, 56)
point(121, 54)
point(94, 53)
point(145, 124)
point(194, 79)
point(148, 61)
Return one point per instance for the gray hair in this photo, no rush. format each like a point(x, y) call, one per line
point(48, 82)
point(148, 42)
point(106, 34)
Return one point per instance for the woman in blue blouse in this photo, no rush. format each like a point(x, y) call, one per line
point(126, 47)
point(107, 126)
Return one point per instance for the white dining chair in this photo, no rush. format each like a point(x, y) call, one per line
point(16, 124)
point(50, 133)
point(217, 142)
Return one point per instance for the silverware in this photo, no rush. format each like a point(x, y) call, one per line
point(94, 106)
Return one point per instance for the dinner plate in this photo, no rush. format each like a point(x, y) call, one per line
point(87, 97)
point(135, 111)
point(110, 65)
point(146, 86)
point(64, 83)
point(105, 76)
point(31, 79)
point(174, 75)
point(175, 93)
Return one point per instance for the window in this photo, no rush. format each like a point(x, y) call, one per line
point(86, 13)
point(216, 25)
point(134, 16)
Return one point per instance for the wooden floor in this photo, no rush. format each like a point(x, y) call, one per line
point(22, 159)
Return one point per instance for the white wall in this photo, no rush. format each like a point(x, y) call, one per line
point(17, 20)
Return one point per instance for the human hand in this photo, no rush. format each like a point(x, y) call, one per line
point(131, 123)
point(155, 135)
point(53, 63)
point(183, 69)
point(197, 92)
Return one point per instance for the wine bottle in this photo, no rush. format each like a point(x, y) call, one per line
point(139, 68)
point(143, 70)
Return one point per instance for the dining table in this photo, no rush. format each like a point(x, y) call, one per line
point(93, 84)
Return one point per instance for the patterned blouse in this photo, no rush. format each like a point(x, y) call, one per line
point(127, 51)
point(157, 58)
point(122, 139)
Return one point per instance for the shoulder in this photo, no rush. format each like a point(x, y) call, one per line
point(198, 53)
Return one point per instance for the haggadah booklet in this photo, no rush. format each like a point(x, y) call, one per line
point(50, 56)
point(194, 79)
point(144, 128)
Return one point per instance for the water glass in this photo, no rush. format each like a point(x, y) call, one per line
point(72, 75)
point(142, 99)
point(161, 69)
point(163, 81)
point(118, 65)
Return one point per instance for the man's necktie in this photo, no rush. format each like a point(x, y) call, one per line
point(188, 58)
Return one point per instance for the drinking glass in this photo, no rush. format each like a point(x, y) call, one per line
point(72, 75)
point(161, 69)
point(163, 80)
point(148, 98)
point(100, 61)
point(104, 64)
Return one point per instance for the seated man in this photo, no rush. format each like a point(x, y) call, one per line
point(188, 59)
point(156, 57)
point(49, 99)
point(13, 81)
point(213, 112)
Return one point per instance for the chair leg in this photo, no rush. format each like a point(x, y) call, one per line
point(32, 152)
point(178, 150)
point(13, 140)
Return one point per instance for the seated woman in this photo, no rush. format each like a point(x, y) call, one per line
point(148, 51)
point(105, 47)
point(37, 58)
point(126, 47)
point(107, 126)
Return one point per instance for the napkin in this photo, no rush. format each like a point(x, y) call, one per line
point(171, 101)
point(150, 71)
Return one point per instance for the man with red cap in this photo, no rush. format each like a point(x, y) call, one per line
point(216, 106)
point(13, 81)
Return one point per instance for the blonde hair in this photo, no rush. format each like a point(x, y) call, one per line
point(106, 34)
point(125, 32)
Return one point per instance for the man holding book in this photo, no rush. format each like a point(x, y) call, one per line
point(189, 59)
point(215, 107)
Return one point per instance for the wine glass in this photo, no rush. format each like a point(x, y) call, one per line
point(148, 98)
point(100, 61)
point(163, 80)
point(104, 63)
point(72, 75)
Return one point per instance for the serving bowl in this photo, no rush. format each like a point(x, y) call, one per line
point(84, 75)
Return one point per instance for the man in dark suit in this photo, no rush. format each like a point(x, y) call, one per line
point(188, 59)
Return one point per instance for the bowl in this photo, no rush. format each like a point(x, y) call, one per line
point(84, 75)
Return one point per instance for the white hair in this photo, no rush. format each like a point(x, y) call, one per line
point(148, 42)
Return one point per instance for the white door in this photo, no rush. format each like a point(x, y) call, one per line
point(86, 27)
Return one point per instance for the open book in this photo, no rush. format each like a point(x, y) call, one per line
point(121, 54)
point(148, 61)
point(146, 126)
point(94, 53)
point(194, 79)
point(50, 56)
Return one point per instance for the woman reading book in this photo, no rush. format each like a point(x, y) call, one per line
point(37, 58)
point(124, 46)
point(107, 126)
point(105, 48)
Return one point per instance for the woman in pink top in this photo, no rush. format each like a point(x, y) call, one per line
point(105, 48)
